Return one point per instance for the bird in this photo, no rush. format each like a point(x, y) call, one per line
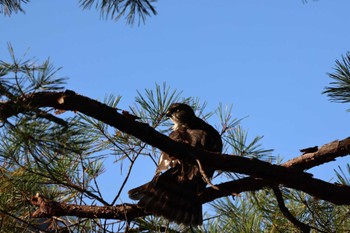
point(175, 190)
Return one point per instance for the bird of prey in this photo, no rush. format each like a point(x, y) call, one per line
point(175, 190)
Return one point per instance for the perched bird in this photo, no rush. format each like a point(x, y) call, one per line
point(175, 190)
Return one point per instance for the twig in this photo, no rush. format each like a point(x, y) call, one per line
point(302, 226)
point(50, 117)
point(126, 179)
point(22, 221)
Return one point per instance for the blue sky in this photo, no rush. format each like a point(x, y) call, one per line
point(267, 58)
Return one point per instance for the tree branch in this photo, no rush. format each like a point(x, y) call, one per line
point(290, 174)
point(325, 154)
point(49, 208)
point(302, 226)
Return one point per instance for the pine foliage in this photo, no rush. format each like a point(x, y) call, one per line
point(339, 89)
point(62, 155)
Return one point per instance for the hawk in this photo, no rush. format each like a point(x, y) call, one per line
point(175, 193)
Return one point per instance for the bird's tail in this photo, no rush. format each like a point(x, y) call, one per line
point(137, 193)
point(175, 199)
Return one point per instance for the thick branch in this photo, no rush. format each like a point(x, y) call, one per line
point(289, 177)
point(325, 154)
point(49, 208)
point(286, 175)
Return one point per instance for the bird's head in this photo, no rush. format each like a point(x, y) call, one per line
point(180, 114)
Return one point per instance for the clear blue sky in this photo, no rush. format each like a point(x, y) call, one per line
point(267, 58)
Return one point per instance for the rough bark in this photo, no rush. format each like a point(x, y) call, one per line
point(49, 208)
point(327, 153)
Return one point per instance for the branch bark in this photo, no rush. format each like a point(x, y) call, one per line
point(49, 208)
point(326, 153)
point(262, 173)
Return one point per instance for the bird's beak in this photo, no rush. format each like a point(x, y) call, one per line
point(168, 113)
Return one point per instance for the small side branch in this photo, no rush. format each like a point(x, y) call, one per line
point(302, 226)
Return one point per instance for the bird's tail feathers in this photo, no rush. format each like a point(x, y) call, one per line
point(138, 193)
point(165, 197)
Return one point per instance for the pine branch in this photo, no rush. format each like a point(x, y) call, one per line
point(327, 153)
point(52, 118)
point(339, 90)
point(49, 208)
point(116, 9)
point(324, 154)
point(7, 7)
point(262, 173)
point(302, 226)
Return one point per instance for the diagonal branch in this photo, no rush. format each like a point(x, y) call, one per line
point(302, 226)
point(326, 153)
point(290, 174)
point(69, 100)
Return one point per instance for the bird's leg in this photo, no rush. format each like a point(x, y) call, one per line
point(204, 176)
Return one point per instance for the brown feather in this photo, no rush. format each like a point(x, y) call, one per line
point(175, 193)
